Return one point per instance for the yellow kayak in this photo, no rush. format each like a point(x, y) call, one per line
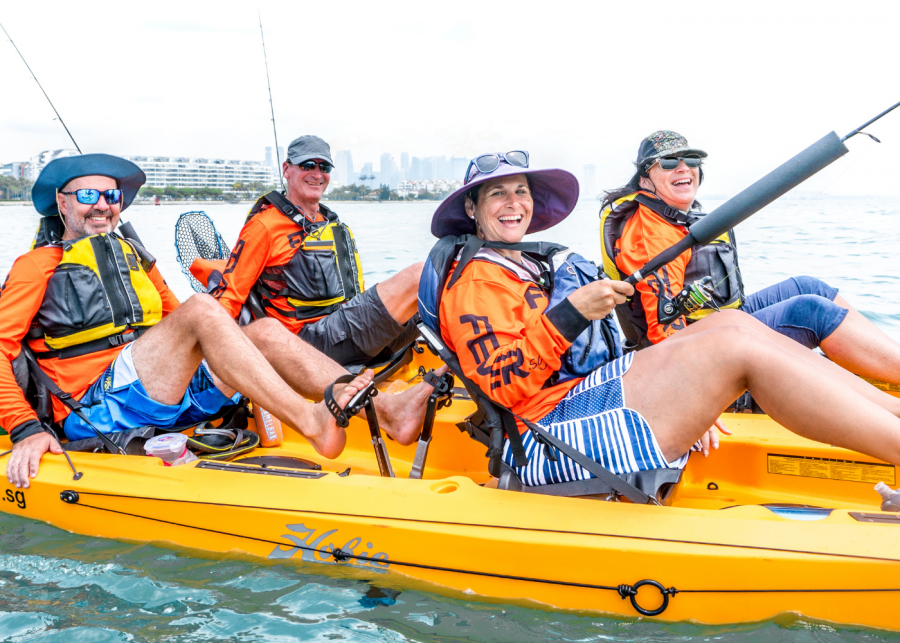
point(769, 523)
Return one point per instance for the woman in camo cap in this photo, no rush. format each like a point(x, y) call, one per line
point(655, 209)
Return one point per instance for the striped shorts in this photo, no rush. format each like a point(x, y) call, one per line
point(593, 418)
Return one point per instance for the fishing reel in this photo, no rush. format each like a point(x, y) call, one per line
point(691, 299)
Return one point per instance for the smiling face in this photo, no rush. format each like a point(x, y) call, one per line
point(504, 208)
point(676, 187)
point(83, 220)
point(305, 188)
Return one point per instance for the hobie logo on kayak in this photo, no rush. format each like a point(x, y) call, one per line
point(318, 546)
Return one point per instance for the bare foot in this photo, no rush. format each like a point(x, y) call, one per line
point(321, 429)
point(401, 415)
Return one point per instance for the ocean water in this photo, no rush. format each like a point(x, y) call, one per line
point(56, 586)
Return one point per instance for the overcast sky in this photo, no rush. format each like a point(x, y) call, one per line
point(752, 83)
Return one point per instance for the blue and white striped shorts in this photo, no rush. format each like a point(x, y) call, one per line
point(593, 418)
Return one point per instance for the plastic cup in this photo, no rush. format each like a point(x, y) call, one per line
point(167, 447)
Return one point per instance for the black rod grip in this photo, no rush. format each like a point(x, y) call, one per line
point(817, 156)
point(129, 232)
point(741, 206)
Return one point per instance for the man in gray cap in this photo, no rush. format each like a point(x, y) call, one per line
point(299, 262)
point(89, 315)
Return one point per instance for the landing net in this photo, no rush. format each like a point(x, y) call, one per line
point(196, 237)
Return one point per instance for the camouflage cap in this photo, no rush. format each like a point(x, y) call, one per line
point(664, 143)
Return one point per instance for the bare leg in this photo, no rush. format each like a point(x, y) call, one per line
point(730, 317)
point(309, 372)
point(681, 386)
point(859, 346)
point(167, 356)
point(399, 293)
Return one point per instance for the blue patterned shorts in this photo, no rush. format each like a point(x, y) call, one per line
point(593, 418)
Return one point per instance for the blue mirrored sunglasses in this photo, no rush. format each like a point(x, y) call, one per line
point(90, 197)
point(487, 163)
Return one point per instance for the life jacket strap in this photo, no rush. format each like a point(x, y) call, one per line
point(94, 346)
point(673, 215)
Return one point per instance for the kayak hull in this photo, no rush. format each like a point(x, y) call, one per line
point(719, 555)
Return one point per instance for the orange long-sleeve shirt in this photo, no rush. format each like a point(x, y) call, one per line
point(507, 341)
point(644, 236)
point(20, 299)
point(268, 239)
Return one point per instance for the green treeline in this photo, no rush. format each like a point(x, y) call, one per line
point(15, 189)
point(363, 193)
point(250, 190)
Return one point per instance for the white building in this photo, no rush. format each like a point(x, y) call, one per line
point(183, 172)
point(38, 162)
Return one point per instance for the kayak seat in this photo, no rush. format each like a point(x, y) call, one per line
point(490, 423)
point(657, 483)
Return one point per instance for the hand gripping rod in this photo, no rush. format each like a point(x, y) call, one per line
point(817, 156)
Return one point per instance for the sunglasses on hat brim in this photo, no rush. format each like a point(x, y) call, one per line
point(89, 196)
point(487, 163)
point(671, 162)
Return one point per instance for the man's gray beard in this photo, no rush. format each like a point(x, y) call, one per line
point(84, 231)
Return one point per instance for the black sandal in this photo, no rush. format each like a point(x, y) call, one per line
point(356, 404)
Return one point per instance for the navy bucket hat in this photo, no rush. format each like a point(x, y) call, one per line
point(554, 191)
point(60, 171)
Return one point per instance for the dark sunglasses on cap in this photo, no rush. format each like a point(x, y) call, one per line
point(89, 196)
point(309, 166)
point(487, 163)
point(671, 162)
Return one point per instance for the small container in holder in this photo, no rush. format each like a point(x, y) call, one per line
point(171, 448)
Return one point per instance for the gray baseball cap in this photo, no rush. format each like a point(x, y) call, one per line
point(308, 147)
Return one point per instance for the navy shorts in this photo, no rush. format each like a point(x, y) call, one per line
point(359, 331)
point(801, 308)
point(117, 401)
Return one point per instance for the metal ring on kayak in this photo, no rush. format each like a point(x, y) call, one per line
point(630, 591)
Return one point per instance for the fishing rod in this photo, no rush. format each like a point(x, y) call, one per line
point(59, 118)
point(271, 106)
point(784, 178)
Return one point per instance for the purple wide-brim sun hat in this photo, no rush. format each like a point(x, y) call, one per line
point(554, 191)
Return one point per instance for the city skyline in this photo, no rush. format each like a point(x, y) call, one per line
point(212, 99)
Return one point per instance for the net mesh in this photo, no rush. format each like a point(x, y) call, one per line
point(196, 237)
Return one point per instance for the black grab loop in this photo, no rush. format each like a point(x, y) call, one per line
point(630, 591)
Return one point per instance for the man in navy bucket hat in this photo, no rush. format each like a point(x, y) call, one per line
point(103, 325)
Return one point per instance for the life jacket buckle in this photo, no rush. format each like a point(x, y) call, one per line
point(117, 340)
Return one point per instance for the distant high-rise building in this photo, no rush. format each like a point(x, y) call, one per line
point(589, 189)
point(415, 169)
point(404, 161)
point(387, 169)
point(370, 180)
point(429, 169)
point(343, 168)
point(458, 165)
point(269, 160)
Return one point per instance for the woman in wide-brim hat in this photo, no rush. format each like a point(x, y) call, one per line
point(641, 411)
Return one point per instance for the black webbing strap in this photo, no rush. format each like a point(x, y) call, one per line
point(515, 440)
point(93, 346)
point(541, 435)
point(71, 403)
point(620, 486)
point(541, 249)
point(674, 215)
point(287, 208)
